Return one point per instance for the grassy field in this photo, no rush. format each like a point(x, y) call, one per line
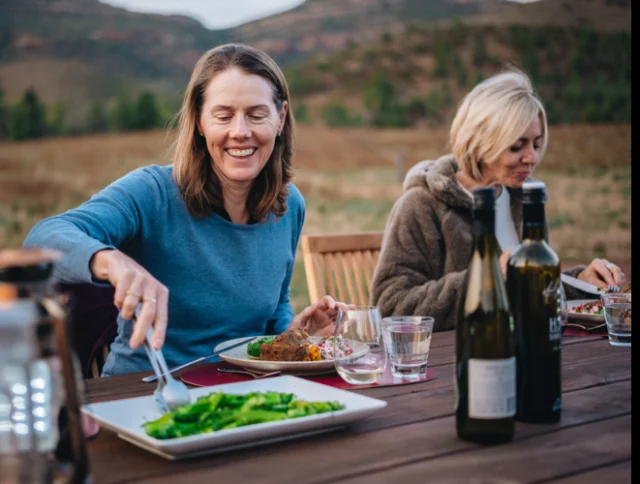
point(350, 180)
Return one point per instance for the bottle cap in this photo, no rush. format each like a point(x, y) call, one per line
point(484, 198)
point(534, 192)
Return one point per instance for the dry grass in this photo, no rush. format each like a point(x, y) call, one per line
point(348, 180)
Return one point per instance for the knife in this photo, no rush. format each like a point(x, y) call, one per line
point(583, 286)
point(151, 378)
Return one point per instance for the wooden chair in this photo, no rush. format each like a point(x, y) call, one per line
point(341, 265)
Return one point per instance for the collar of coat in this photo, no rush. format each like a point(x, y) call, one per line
point(438, 177)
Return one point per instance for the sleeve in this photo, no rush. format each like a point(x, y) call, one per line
point(109, 220)
point(409, 278)
point(283, 314)
point(570, 291)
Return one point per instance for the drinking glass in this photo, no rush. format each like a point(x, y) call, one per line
point(408, 339)
point(617, 315)
point(359, 354)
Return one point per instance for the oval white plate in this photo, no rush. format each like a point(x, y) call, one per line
point(581, 317)
point(239, 357)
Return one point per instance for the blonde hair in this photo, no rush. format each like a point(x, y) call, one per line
point(192, 164)
point(491, 118)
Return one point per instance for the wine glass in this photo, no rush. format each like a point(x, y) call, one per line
point(359, 353)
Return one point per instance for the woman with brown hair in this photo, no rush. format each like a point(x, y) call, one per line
point(206, 245)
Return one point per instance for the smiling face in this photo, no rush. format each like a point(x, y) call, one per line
point(516, 163)
point(240, 123)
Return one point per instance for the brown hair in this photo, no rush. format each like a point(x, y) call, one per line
point(192, 164)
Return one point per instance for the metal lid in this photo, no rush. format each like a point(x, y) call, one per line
point(26, 265)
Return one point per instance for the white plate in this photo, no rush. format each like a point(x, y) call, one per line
point(238, 356)
point(581, 317)
point(125, 417)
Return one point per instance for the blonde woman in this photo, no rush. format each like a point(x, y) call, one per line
point(207, 245)
point(498, 136)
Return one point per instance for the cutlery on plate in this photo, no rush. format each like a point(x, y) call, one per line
point(254, 374)
point(151, 378)
point(170, 393)
point(587, 287)
point(586, 328)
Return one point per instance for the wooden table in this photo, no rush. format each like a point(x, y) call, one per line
point(414, 439)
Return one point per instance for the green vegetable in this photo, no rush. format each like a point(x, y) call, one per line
point(253, 349)
point(218, 411)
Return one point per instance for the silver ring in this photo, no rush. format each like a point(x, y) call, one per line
point(611, 265)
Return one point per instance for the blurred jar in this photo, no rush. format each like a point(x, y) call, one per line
point(51, 441)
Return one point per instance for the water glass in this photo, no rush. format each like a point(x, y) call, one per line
point(408, 339)
point(359, 354)
point(617, 315)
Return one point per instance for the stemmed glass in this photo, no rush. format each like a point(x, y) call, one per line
point(359, 353)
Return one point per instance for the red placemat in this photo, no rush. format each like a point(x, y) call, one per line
point(573, 331)
point(208, 375)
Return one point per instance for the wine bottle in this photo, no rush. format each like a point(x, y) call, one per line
point(485, 352)
point(534, 289)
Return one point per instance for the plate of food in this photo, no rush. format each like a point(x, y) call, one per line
point(293, 351)
point(233, 415)
point(586, 312)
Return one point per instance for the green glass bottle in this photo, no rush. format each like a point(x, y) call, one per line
point(485, 352)
point(534, 288)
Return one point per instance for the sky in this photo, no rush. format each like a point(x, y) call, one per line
point(216, 14)
point(213, 14)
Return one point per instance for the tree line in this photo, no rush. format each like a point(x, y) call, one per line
point(582, 75)
point(29, 117)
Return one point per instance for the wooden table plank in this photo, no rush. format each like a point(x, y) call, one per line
point(417, 409)
point(619, 473)
point(412, 436)
point(544, 457)
point(322, 459)
point(128, 386)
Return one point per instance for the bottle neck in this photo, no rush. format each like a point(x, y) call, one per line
point(533, 222)
point(484, 229)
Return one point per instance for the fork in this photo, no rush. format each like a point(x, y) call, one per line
point(170, 393)
point(253, 374)
point(586, 328)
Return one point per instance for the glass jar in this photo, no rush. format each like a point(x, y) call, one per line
point(54, 437)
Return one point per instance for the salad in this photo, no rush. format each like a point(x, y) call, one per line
point(330, 347)
point(593, 307)
point(220, 411)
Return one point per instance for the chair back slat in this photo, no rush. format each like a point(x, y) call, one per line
point(358, 274)
point(349, 276)
point(341, 265)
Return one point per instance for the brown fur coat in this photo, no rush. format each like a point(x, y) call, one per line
point(428, 244)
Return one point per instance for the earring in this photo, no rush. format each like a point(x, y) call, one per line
point(201, 135)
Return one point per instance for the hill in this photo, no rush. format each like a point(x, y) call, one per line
point(580, 66)
point(321, 26)
point(75, 52)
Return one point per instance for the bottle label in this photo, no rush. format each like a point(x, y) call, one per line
point(492, 388)
point(555, 328)
point(552, 298)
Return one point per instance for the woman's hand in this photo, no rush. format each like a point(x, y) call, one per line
point(318, 319)
point(503, 260)
point(133, 285)
point(603, 273)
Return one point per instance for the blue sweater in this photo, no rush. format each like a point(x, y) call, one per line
point(225, 280)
